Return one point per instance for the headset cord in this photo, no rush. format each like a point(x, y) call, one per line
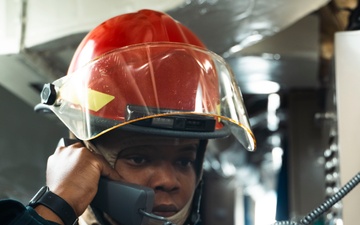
point(313, 215)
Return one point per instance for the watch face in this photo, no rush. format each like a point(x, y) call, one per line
point(38, 195)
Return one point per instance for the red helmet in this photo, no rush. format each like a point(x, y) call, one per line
point(125, 30)
point(146, 72)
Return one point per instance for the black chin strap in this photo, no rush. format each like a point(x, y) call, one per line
point(195, 217)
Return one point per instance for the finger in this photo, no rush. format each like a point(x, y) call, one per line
point(107, 170)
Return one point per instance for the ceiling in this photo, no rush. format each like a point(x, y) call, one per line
point(262, 40)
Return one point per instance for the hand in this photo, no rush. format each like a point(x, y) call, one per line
point(73, 173)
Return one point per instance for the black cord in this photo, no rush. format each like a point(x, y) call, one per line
point(313, 215)
point(286, 223)
point(331, 201)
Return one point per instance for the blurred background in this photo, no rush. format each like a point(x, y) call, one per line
point(282, 53)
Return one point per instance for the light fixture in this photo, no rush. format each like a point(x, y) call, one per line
point(262, 87)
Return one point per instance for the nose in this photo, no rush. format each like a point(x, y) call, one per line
point(164, 178)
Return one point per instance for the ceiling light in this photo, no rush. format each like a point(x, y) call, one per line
point(262, 87)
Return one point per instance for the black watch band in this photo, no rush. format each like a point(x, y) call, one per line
point(56, 204)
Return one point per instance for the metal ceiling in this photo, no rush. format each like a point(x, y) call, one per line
point(282, 35)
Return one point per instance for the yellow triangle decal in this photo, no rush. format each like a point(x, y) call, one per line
point(90, 99)
point(97, 100)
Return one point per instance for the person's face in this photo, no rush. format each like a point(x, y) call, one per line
point(164, 164)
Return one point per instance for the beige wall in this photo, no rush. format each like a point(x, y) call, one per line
point(347, 70)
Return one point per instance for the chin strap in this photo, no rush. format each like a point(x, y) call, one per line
point(195, 210)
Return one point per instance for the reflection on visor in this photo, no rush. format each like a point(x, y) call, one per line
point(166, 86)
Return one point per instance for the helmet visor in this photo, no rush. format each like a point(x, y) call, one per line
point(165, 86)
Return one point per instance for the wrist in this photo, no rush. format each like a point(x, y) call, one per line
point(52, 207)
point(48, 214)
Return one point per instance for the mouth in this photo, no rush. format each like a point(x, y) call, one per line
point(165, 210)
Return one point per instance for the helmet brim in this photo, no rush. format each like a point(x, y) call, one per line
point(220, 133)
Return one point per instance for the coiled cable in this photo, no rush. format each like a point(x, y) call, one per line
point(313, 215)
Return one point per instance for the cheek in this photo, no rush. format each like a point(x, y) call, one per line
point(189, 186)
point(139, 177)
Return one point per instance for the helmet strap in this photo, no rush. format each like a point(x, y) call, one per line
point(195, 218)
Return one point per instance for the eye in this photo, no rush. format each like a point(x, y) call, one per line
point(185, 162)
point(137, 160)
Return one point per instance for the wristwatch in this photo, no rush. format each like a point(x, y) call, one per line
point(56, 204)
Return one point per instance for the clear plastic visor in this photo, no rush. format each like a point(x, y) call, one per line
point(164, 86)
